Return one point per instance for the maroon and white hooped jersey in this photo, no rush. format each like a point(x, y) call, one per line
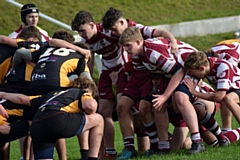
point(158, 57)
point(147, 32)
point(105, 44)
point(229, 52)
point(223, 74)
point(44, 34)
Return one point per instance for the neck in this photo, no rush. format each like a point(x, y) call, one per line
point(95, 33)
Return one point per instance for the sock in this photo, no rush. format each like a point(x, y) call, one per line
point(211, 124)
point(92, 158)
point(111, 151)
point(224, 130)
point(140, 132)
point(152, 134)
point(164, 146)
point(129, 142)
point(84, 154)
point(233, 135)
point(214, 143)
point(196, 137)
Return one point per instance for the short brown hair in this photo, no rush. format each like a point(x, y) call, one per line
point(64, 35)
point(195, 60)
point(130, 34)
point(84, 83)
point(30, 32)
point(82, 17)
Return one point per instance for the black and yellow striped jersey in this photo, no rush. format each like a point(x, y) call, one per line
point(54, 67)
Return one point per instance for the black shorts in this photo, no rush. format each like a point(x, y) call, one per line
point(49, 126)
point(237, 91)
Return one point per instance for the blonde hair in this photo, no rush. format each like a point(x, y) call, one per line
point(195, 60)
point(130, 34)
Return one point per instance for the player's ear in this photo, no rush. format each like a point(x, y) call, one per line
point(202, 68)
point(138, 41)
point(121, 22)
point(91, 24)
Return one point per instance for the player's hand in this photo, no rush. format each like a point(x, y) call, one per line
point(158, 101)
point(5, 129)
point(173, 47)
point(87, 54)
point(3, 112)
point(190, 84)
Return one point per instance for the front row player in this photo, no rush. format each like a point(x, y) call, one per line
point(220, 73)
point(63, 114)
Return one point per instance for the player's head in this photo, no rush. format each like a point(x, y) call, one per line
point(85, 84)
point(237, 34)
point(30, 14)
point(64, 35)
point(30, 33)
point(84, 24)
point(128, 69)
point(132, 40)
point(196, 64)
point(113, 20)
point(156, 78)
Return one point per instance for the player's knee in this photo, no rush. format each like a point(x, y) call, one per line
point(122, 109)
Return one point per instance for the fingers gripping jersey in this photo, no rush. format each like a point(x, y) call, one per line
point(223, 74)
point(229, 52)
point(6, 53)
point(54, 67)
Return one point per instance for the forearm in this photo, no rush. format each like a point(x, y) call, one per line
point(208, 96)
point(20, 55)
point(165, 34)
point(8, 41)
point(65, 44)
point(15, 98)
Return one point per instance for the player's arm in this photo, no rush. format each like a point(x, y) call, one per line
point(16, 98)
point(168, 35)
point(21, 55)
point(64, 44)
point(215, 97)
point(89, 104)
point(9, 41)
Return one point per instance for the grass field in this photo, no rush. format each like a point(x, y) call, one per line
point(147, 12)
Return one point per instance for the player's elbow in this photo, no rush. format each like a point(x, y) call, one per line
point(90, 106)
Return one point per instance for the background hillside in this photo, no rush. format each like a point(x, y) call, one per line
point(147, 12)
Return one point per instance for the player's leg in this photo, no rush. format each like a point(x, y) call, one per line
point(95, 124)
point(231, 101)
point(107, 100)
point(181, 96)
point(208, 121)
point(142, 136)
point(60, 146)
point(179, 139)
point(83, 144)
point(5, 152)
point(162, 123)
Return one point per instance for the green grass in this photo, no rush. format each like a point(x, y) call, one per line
point(231, 152)
point(147, 12)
